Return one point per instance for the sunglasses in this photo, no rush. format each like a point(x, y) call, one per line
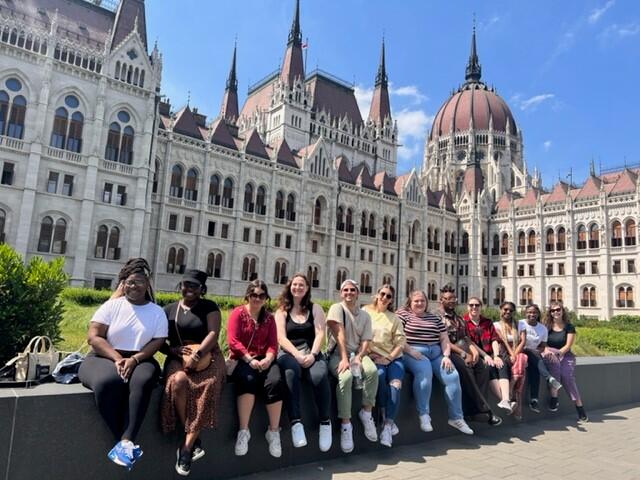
point(507, 310)
point(349, 290)
point(555, 310)
point(474, 305)
point(191, 285)
point(135, 283)
point(388, 296)
point(258, 296)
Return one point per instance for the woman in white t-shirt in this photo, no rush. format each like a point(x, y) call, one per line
point(124, 334)
point(535, 347)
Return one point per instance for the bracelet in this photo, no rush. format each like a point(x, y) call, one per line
point(135, 359)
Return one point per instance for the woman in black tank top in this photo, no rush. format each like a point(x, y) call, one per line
point(301, 330)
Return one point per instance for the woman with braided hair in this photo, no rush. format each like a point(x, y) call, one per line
point(124, 334)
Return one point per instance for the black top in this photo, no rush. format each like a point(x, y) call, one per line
point(192, 323)
point(301, 334)
point(559, 339)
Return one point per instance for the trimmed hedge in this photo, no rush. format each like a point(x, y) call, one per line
point(611, 340)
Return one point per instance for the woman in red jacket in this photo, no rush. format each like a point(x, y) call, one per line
point(253, 343)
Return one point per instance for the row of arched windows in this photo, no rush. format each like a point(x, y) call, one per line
point(129, 74)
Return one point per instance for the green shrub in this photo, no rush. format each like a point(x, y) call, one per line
point(611, 340)
point(30, 302)
point(85, 296)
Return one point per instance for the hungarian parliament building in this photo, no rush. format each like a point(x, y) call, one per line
point(97, 168)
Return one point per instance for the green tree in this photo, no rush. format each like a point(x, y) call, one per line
point(30, 301)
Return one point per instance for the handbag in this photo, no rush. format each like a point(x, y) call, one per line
point(37, 361)
point(205, 359)
point(230, 364)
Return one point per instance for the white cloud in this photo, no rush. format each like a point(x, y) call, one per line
point(531, 103)
point(410, 91)
point(412, 130)
point(620, 31)
point(487, 24)
point(363, 97)
point(598, 12)
point(546, 145)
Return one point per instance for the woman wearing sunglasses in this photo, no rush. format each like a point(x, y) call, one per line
point(386, 351)
point(560, 361)
point(253, 343)
point(192, 392)
point(535, 347)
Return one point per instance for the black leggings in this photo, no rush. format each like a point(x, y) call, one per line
point(122, 405)
point(248, 380)
point(535, 368)
point(474, 382)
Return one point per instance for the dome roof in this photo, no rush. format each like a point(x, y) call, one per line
point(474, 100)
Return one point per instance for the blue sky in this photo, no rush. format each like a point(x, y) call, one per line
point(569, 70)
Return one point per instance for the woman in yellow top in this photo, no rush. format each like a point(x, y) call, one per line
point(386, 351)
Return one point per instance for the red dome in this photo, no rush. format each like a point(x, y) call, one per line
point(473, 99)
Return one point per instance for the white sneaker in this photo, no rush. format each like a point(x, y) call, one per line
point(297, 435)
point(394, 428)
point(461, 425)
point(326, 438)
point(369, 425)
point(386, 437)
point(346, 438)
point(425, 423)
point(506, 405)
point(242, 442)
point(273, 439)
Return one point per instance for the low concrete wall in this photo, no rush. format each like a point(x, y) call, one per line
point(55, 432)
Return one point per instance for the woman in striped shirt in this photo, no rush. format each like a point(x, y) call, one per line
point(427, 353)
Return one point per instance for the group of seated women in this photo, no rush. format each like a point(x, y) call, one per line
point(368, 348)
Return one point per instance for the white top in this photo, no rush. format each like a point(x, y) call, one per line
point(535, 335)
point(131, 327)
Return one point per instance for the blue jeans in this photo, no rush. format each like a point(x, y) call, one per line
point(423, 371)
point(388, 396)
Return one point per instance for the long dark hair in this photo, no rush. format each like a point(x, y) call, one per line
point(251, 287)
point(285, 299)
point(137, 266)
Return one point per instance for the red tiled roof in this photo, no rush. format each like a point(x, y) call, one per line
point(292, 66)
point(626, 182)
point(254, 144)
point(558, 194)
point(344, 174)
point(258, 99)
point(164, 123)
point(185, 124)
point(432, 198)
point(362, 176)
point(220, 135)
point(504, 202)
point(591, 188)
point(284, 155)
point(530, 198)
point(400, 182)
point(128, 12)
point(473, 181)
point(380, 106)
point(382, 179)
point(337, 99)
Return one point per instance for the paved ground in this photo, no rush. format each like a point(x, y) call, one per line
point(608, 447)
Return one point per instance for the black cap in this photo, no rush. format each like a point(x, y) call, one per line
point(195, 276)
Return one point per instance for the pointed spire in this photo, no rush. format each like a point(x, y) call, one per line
point(293, 66)
point(229, 108)
point(130, 17)
point(381, 76)
point(473, 72)
point(592, 168)
point(380, 107)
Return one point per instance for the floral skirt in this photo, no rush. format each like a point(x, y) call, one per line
point(203, 395)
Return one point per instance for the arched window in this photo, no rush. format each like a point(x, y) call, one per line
point(453, 242)
point(261, 201)
point(588, 296)
point(504, 244)
point(341, 276)
point(191, 187)
point(630, 232)
point(156, 175)
point(561, 244)
point(214, 265)
point(415, 232)
point(120, 140)
point(102, 237)
point(227, 193)
point(363, 224)
point(483, 240)
point(521, 242)
point(495, 247)
point(464, 249)
point(247, 204)
point(313, 275)
point(555, 294)
point(280, 272)
point(317, 211)
point(459, 182)
point(113, 248)
point(67, 134)
point(432, 291)
point(13, 109)
point(372, 225)
point(385, 228)
point(581, 243)
point(392, 230)
point(436, 239)
point(46, 230)
point(176, 260)
point(59, 235)
point(409, 285)
point(464, 293)
point(249, 266)
point(447, 246)
point(388, 280)
point(280, 204)
point(59, 131)
point(291, 208)
point(349, 220)
point(365, 282)
point(500, 296)
point(531, 242)
point(550, 244)
point(616, 234)
point(214, 190)
point(3, 219)
point(625, 297)
point(594, 236)
point(340, 219)
point(526, 296)
point(171, 260)
point(175, 189)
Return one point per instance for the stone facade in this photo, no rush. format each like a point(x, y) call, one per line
point(98, 169)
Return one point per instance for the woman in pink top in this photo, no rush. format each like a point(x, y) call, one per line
point(253, 342)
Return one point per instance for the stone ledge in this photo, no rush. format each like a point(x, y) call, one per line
point(54, 431)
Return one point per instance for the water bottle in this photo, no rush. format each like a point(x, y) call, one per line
point(355, 372)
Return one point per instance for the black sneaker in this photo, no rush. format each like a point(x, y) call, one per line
point(198, 452)
point(553, 404)
point(495, 420)
point(183, 462)
point(533, 405)
point(582, 415)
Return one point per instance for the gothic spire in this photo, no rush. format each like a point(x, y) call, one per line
point(380, 106)
point(229, 107)
point(473, 72)
point(293, 66)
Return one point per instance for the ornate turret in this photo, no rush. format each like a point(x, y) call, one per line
point(380, 107)
point(293, 66)
point(473, 72)
point(229, 107)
